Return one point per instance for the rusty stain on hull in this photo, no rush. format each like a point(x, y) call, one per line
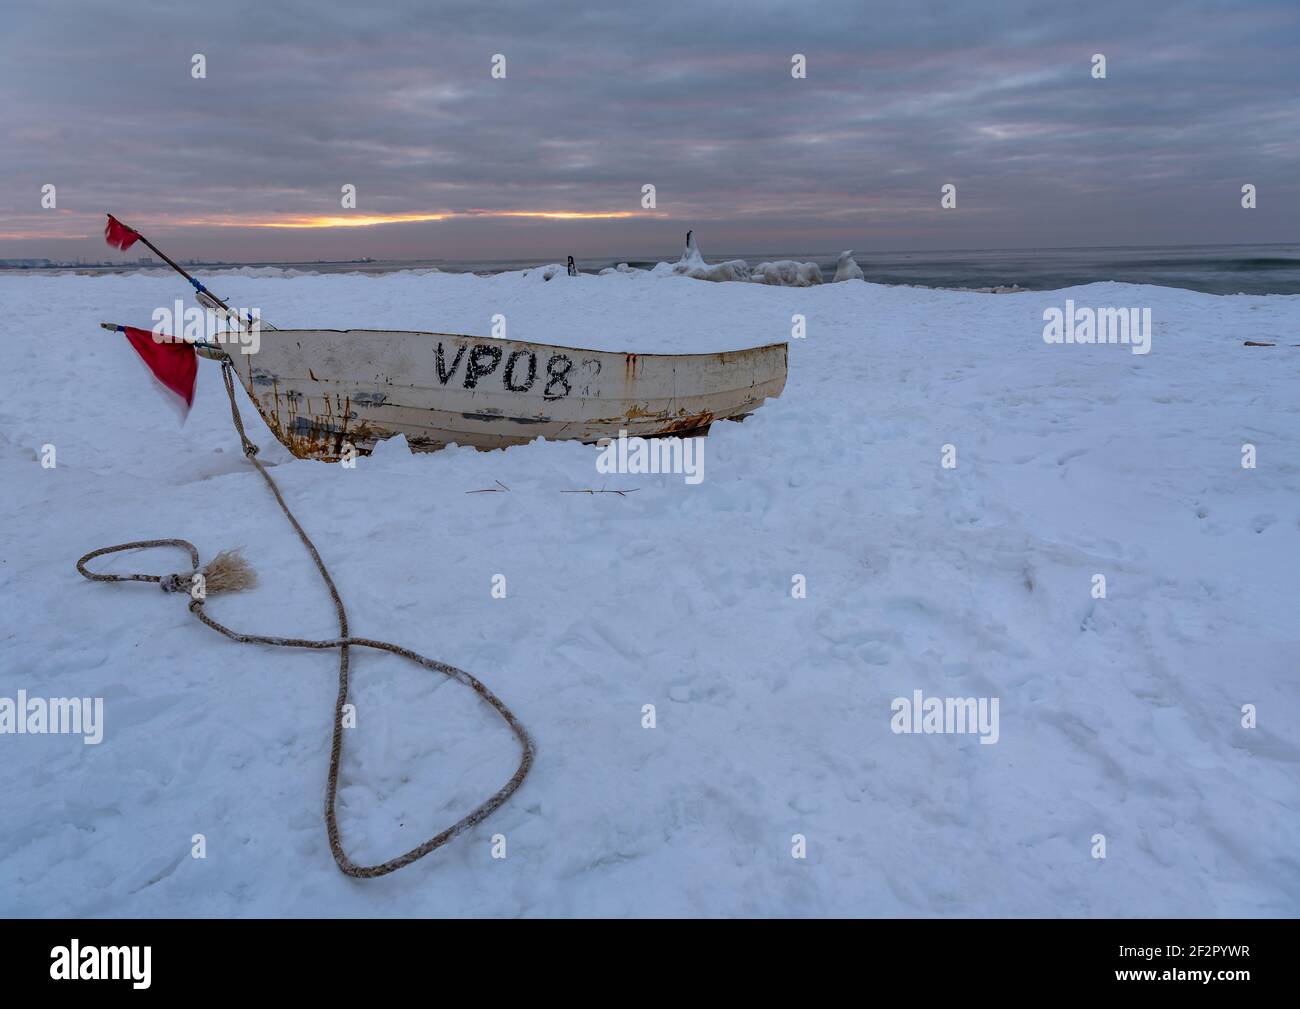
point(684, 424)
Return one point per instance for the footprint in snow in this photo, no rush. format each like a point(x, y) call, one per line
point(1262, 521)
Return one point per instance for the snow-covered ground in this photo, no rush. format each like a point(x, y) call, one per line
point(1119, 716)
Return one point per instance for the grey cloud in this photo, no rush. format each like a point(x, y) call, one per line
point(695, 98)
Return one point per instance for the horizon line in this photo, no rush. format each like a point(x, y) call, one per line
point(628, 259)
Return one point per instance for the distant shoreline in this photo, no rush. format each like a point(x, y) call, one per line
point(1212, 269)
point(7, 263)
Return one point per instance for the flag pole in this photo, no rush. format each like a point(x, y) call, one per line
point(211, 351)
point(113, 233)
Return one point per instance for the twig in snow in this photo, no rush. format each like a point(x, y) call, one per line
point(620, 493)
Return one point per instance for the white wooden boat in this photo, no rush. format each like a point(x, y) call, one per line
point(321, 390)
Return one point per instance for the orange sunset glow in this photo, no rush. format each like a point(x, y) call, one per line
point(369, 220)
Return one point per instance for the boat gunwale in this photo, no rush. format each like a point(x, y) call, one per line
point(533, 343)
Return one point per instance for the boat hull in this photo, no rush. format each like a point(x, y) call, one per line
point(322, 390)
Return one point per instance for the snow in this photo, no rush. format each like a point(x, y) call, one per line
point(1118, 716)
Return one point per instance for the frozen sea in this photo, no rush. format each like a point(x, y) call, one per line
point(1119, 716)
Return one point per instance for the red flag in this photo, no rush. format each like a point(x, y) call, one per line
point(119, 235)
point(173, 363)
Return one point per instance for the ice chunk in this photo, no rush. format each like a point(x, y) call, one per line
point(692, 264)
point(787, 273)
point(847, 269)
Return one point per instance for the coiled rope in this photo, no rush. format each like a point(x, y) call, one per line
point(344, 643)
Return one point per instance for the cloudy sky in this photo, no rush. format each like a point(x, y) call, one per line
point(697, 99)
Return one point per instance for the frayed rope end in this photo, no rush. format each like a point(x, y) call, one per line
point(228, 572)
